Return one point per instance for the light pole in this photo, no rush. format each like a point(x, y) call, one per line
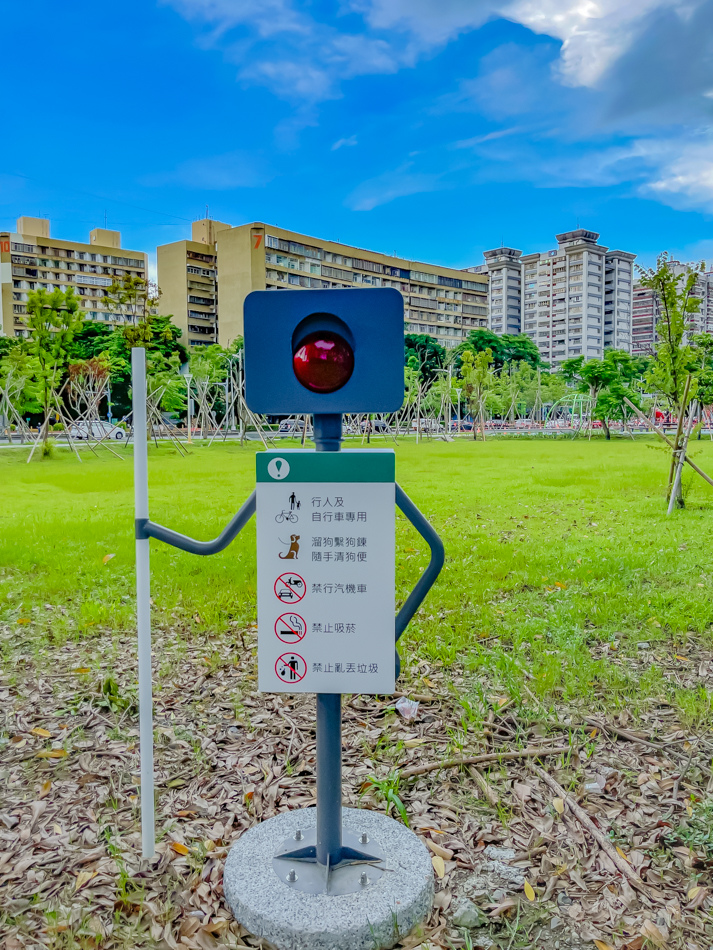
point(189, 377)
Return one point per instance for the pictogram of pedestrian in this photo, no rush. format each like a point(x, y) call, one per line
point(290, 628)
point(290, 588)
point(290, 667)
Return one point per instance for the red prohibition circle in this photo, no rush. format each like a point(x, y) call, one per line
point(292, 634)
point(290, 588)
point(291, 662)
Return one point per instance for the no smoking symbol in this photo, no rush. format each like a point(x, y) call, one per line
point(290, 588)
point(290, 628)
point(290, 667)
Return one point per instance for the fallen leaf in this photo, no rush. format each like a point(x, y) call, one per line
point(82, 669)
point(52, 754)
point(83, 878)
point(601, 945)
point(107, 558)
point(530, 891)
point(41, 732)
point(46, 786)
point(652, 933)
point(428, 682)
point(445, 853)
point(558, 805)
point(179, 848)
point(438, 865)
point(24, 620)
point(693, 893)
point(621, 853)
point(412, 743)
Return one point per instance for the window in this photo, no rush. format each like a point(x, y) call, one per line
point(337, 272)
point(426, 278)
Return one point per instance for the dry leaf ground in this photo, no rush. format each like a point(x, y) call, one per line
point(507, 654)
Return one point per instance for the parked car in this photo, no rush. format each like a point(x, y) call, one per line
point(291, 425)
point(465, 425)
point(427, 425)
point(377, 425)
point(96, 430)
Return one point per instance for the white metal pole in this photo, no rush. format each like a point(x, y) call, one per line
point(143, 602)
point(189, 377)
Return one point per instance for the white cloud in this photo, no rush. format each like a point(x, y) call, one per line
point(683, 170)
point(394, 184)
point(636, 72)
point(345, 143)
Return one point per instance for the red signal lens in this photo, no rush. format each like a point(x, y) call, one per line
point(323, 362)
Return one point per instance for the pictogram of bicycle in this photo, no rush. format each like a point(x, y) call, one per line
point(287, 516)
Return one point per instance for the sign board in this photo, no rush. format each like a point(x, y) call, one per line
point(326, 571)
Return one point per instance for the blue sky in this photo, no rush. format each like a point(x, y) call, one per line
point(432, 128)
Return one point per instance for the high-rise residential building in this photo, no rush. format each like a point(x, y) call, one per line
point(505, 294)
point(441, 301)
point(647, 309)
point(574, 300)
point(188, 281)
point(30, 260)
point(645, 316)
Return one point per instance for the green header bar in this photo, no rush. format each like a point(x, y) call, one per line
point(306, 465)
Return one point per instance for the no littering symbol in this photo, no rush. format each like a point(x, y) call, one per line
point(290, 668)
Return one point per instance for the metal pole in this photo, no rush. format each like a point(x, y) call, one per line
point(327, 438)
point(143, 602)
point(189, 377)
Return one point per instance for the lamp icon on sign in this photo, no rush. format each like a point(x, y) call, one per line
point(278, 468)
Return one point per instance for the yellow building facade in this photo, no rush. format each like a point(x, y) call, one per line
point(441, 301)
point(30, 259)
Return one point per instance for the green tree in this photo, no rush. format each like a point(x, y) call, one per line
point(428, 352)
point(608, 383)
point(162, 338)
point(504, 349)
point(674, 358)
point(53, 319)
point(478, 379)
point(8, 343)
point(19, 378)
point(136, 299)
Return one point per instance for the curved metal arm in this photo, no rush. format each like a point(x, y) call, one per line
point(438, 556)
point(149, 529)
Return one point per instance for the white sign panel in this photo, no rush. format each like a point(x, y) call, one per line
point(326, 571)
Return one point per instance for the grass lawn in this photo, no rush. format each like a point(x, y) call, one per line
point(555, 550)
point(572, 620)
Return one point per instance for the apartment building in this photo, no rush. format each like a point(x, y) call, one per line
point(647, 309)
point(441, 301)
point(30, 259)
point(645, 316)
point(574, 300)
point(504, 271)
point(188, 280)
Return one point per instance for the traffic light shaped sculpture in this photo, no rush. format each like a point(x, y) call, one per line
point(323, 353)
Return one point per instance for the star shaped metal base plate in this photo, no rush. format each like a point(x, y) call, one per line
point(360, 864)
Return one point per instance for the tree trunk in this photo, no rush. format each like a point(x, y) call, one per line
point(607, 432)
point(677, 443)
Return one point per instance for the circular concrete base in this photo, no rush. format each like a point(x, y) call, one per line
point(372, 919)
